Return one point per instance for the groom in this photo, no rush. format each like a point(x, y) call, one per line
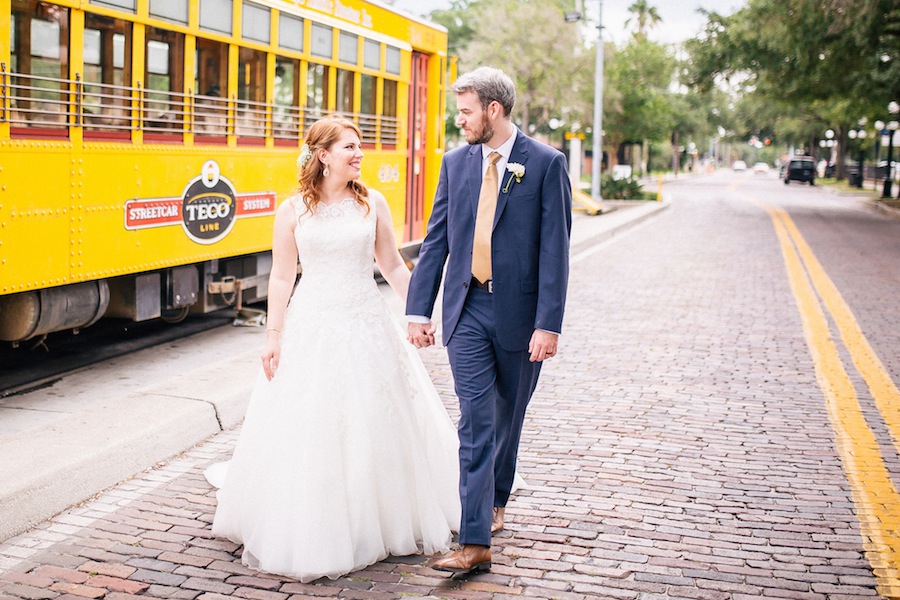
point(501, 223)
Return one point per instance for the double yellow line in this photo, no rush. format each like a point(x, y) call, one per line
point(874, 494)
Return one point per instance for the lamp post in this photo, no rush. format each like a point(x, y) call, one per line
point(890, 130)
point(889, 171)
point(829, 143)
point(597, 148)
point(879, 134)
point(597, 130)
point(859, 134)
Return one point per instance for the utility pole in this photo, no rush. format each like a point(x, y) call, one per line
point(597, 148)
point(598, 111)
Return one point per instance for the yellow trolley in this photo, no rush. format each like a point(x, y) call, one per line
point(146, 144)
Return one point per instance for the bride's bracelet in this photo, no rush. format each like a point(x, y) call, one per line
point(273, 329)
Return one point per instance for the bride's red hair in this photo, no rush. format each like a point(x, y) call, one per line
point(322, 135)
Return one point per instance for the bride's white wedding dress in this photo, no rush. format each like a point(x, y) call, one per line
point(348, 454)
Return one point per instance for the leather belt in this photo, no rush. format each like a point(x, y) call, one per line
point(487, 286)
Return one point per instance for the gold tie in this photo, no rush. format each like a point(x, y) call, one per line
point(484, 221)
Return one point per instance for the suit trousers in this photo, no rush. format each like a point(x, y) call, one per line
point(493, 386)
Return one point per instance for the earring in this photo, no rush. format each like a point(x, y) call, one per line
point(326, 172)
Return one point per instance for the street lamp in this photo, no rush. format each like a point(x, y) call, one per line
point(861, 135)
point(829, 143)
point(890, 130)
point(879, 133)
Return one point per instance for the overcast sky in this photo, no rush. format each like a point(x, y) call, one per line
point(680, 19)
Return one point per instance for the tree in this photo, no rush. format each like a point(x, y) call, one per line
point(645, 16)
point(823, 63)
point(531, 42)
point(457, 22)
point(637, 103)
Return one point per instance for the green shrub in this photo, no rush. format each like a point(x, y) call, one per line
point(620, 189)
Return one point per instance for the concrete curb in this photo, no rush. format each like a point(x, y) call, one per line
point(883, 208)
point(627, 214)
point(55, 465)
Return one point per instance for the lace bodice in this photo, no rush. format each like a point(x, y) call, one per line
point(336, 246)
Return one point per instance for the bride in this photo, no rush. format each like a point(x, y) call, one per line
point(346, 454)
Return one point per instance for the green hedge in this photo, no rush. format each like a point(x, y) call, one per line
point(621, 189)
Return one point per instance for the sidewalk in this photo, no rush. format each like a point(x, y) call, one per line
point(95, 428)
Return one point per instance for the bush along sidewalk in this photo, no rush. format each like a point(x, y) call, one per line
point(627, 188)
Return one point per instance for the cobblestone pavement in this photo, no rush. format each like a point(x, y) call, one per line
point(678, 447)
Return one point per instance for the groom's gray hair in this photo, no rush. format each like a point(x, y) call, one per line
point(489, 84)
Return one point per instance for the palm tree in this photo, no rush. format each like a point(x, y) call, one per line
point(646, 16)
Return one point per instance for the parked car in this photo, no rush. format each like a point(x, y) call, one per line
point(738, 165)
point(761, 167)
point(800, 168)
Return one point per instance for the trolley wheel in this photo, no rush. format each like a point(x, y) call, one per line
point(176, 315)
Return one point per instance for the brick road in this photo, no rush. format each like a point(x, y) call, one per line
point(677, 448)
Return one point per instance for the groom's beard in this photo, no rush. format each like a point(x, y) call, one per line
point(487, 132)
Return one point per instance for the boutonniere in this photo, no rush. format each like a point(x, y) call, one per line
point(517, 172)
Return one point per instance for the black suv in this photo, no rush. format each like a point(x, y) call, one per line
point(800, 168)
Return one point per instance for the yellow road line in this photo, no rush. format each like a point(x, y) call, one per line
point(884, 391)
point(874, 495)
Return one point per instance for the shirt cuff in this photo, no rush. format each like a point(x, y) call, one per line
point(417, 319)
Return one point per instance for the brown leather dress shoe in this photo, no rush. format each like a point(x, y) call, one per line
point(468, 558)
point(497, 519)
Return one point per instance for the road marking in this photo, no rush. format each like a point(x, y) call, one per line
point(884, 391)
point(874, 495)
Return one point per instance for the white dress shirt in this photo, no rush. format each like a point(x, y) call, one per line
point(505, 150)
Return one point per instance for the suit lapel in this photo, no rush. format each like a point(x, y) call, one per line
point(519, 155)
point(474, 176)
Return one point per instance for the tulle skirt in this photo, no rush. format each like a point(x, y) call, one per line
point(346, 456)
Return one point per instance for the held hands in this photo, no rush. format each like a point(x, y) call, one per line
point(421, 335)
point(543, 345)
point(271, 353)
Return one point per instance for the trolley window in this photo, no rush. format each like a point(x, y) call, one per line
point(12, 43)
point(215, 15)
point(286, 116)
point(368, 94)
point(389, 103)
point(170, 10)
point(321, 41)
point(107, 74)
point(40, 65)
point(348, 48)
point(372, 55)
point(166, 104)
point(344, 91)
point(368, 103)
point(128, 5)
point(392, 60)
point(251, 117)
point(317, 88)
point(290, 32)
point(255, 22)
point(211, 78)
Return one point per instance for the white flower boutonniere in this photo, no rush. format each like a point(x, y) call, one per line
point(517, 172)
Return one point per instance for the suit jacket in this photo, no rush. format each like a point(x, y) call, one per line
point(529, 248)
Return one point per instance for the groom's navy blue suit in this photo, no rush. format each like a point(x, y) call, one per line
point(487, 334)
